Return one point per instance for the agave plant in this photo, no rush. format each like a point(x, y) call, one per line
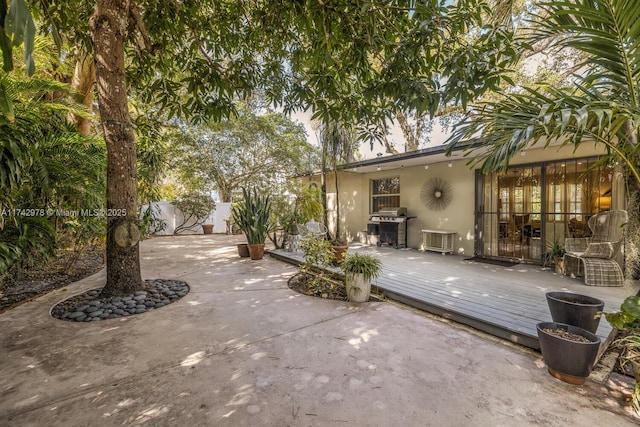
point(252, 215)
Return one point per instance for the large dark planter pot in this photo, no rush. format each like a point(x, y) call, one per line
point(256, 251)
point(567, 360)
point(575, 309)
point(243, 250)
point(207, 228)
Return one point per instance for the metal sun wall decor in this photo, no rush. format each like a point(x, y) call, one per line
point(436, 194)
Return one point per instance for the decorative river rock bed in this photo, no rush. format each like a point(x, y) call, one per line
point(91, 307)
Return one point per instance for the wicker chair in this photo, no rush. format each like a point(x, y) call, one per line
point(311, 228)
point(595, 257)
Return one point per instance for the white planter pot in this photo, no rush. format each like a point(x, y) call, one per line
point(358, 288)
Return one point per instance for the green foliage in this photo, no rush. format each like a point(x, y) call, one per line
point(364, 264)
point(602, 104)
point(47, 167)
point(285, 213)
point(554, 252)
point(317, 253)
point(318, 256)
point(352, 62)
point(153, 154)
point(252, 215)
point(195, 208)
point(150, 222)
point(252, 148)
point(627, 320)
point(306, 204)
point(16, 27)
point(24, 242)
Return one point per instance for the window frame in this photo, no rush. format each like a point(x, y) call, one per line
point(373, 196)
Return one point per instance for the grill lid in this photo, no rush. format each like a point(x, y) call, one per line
point(392, 212)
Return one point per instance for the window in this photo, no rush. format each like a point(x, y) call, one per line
point(385, 193)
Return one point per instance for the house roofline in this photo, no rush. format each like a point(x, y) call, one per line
point(424, 152)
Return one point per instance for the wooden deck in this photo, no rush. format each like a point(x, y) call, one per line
point(506, 302)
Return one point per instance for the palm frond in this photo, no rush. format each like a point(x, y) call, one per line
point(601, 107)
point(607, 31)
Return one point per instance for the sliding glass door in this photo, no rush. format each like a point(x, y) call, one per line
point(521, 212)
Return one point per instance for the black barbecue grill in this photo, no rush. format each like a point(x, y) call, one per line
point(391, 226)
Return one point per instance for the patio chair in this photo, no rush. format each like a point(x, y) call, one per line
point(311, 228)
point(595, 257)
point(314, 229)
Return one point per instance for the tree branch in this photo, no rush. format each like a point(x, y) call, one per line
point(136, 17)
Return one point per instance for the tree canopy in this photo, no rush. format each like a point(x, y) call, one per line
point(252, 148)
point(354, 62)
point(601, 103)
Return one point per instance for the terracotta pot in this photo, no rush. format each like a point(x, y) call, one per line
point(560, 266)
point(207, 228)
point(567, 360)
point(575, 309)
point(243, 250)
point(339, 252)
point(358, 288)
point(256, 251)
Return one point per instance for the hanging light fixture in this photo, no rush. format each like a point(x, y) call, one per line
point(426, 167)
point(450, 164)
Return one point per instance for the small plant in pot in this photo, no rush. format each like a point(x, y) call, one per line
point(339, 248)
point(555, 256)
point(251, 215)
point(359, 270)
point(627, 321)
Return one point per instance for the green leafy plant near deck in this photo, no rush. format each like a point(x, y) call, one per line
point(318, 256)
point(364, 264)
point(627, 320)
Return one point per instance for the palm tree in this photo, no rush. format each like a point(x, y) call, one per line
point(602, 105)
point(338, 143)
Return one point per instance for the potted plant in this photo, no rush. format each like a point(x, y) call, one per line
point(359, 269)
point(555, 255)
point(568, 351)
point(339, 248)
point(243, 250)
point(252, 216)
point(575, 309)
point(627, 321)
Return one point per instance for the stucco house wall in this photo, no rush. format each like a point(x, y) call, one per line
point(458, 216)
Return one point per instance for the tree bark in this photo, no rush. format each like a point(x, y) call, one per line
point(412, 141)
point(109, 29)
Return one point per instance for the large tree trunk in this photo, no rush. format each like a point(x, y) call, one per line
point(108, 27)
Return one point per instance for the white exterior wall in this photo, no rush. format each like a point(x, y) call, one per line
point(173, 217)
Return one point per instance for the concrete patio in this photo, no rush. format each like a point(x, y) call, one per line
point(242, 349)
